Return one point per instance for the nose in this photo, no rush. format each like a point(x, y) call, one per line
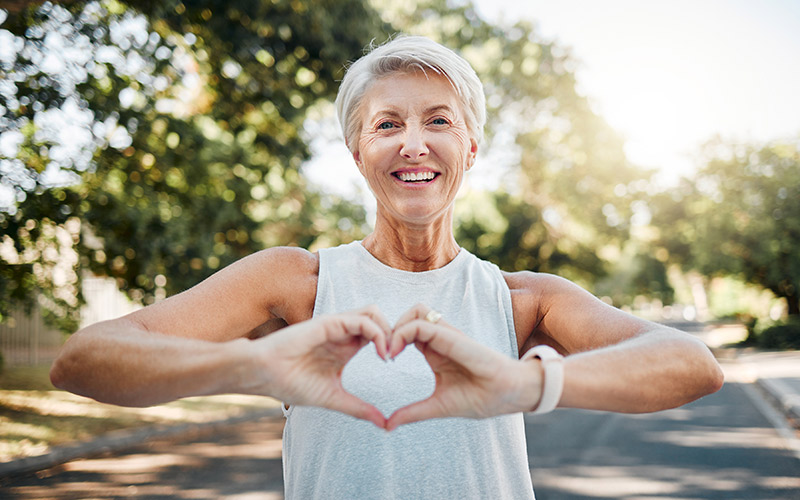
point(414, 147)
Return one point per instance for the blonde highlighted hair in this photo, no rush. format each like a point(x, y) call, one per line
point(404, 54)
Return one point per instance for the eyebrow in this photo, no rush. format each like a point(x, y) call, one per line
point(392, 111)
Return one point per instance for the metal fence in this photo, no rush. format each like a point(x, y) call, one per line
point(25, 339)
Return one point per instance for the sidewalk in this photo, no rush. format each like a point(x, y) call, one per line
point(775, 373)
point(125, 438)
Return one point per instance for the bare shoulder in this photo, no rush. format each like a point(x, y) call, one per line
point(283, 262)
point(539, 291)
point(553, 310)
point(531, 282)
point(292, 274)
point(254, 295)
point(531, 294)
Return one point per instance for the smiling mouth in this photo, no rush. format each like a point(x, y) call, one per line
point(413, 177)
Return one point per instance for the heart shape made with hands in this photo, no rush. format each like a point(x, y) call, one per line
point(400, 380)
point(431, 370)
point(389, 385)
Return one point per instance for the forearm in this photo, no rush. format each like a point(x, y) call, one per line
point(116, 362)
point(654, 371)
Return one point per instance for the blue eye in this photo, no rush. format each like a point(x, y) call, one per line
point(439, 121)
point(386, 126)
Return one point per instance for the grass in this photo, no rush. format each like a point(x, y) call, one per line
point(35, 416)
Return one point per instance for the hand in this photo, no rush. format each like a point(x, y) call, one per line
point(304, 362)
point(472, 380)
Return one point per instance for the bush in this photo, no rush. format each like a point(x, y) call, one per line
point(781, 336)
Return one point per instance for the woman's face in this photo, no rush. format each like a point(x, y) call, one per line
point(414, 145)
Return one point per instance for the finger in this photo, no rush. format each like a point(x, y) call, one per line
point(442, 336)
point(355, 407)
point(377, 316)
point(419, 311)
point(421, 410)
point(448, 342)
point(344, 327)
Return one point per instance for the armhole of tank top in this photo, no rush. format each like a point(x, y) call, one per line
point(508, 308)
point(287, 409)
point(322, 278)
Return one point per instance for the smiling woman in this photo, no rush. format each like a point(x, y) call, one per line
point(472, 347)
point(413, 150)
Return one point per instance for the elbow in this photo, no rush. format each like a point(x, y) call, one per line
point(709, 371)
point(706, 376)
point(61, 373)
point(69, 370)
point(697, 375)
point(715, 378)
point(57, 374)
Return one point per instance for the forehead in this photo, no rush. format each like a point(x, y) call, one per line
point(410, 93)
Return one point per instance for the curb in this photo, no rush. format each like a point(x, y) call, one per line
point(785, 399)
point(782, 396)
point(121, 439)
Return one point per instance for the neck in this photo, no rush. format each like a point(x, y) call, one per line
point(413, 247)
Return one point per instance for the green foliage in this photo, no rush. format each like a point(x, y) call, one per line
point(636, 273)
point(783, 336)
point(189, 138)
point(516, 238)
point(739, 216)
point(572, 189)
point(184, 141)
point(37, 260)
point(777, 336)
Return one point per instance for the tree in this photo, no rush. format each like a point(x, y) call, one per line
point(186, 125)
point(571, 191)
point(739, 215)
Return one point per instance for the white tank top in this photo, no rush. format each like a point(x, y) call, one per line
point(329, 455)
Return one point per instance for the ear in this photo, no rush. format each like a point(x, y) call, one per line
point(357, 158)
point(473, 152)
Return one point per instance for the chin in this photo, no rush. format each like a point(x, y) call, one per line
point(421, 216)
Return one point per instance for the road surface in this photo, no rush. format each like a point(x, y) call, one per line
point(720, 447)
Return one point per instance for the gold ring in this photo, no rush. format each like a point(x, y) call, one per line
point(433, 316)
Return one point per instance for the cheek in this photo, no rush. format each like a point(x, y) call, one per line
point(371, 147)
point(460, 144)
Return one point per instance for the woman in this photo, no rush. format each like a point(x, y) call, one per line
point(330, 333)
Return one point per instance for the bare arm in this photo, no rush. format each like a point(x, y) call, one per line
point(190, 344)
point(119, 362)
point(614, 361)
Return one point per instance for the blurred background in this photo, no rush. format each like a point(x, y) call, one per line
point(648, 151)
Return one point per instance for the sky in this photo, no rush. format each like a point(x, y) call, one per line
point(670, 75)
point(667, 75)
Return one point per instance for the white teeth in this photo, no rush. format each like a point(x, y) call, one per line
point(418, 176)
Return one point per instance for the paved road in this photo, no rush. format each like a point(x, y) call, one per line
point(720, 447)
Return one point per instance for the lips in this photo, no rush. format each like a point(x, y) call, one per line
point(416, 177)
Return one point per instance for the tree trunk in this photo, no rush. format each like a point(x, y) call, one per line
point(793, 303)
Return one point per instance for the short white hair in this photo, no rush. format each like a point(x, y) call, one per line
point(400, 55)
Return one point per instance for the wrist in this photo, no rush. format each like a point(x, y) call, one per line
point(246, 373)
point(552, 377)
